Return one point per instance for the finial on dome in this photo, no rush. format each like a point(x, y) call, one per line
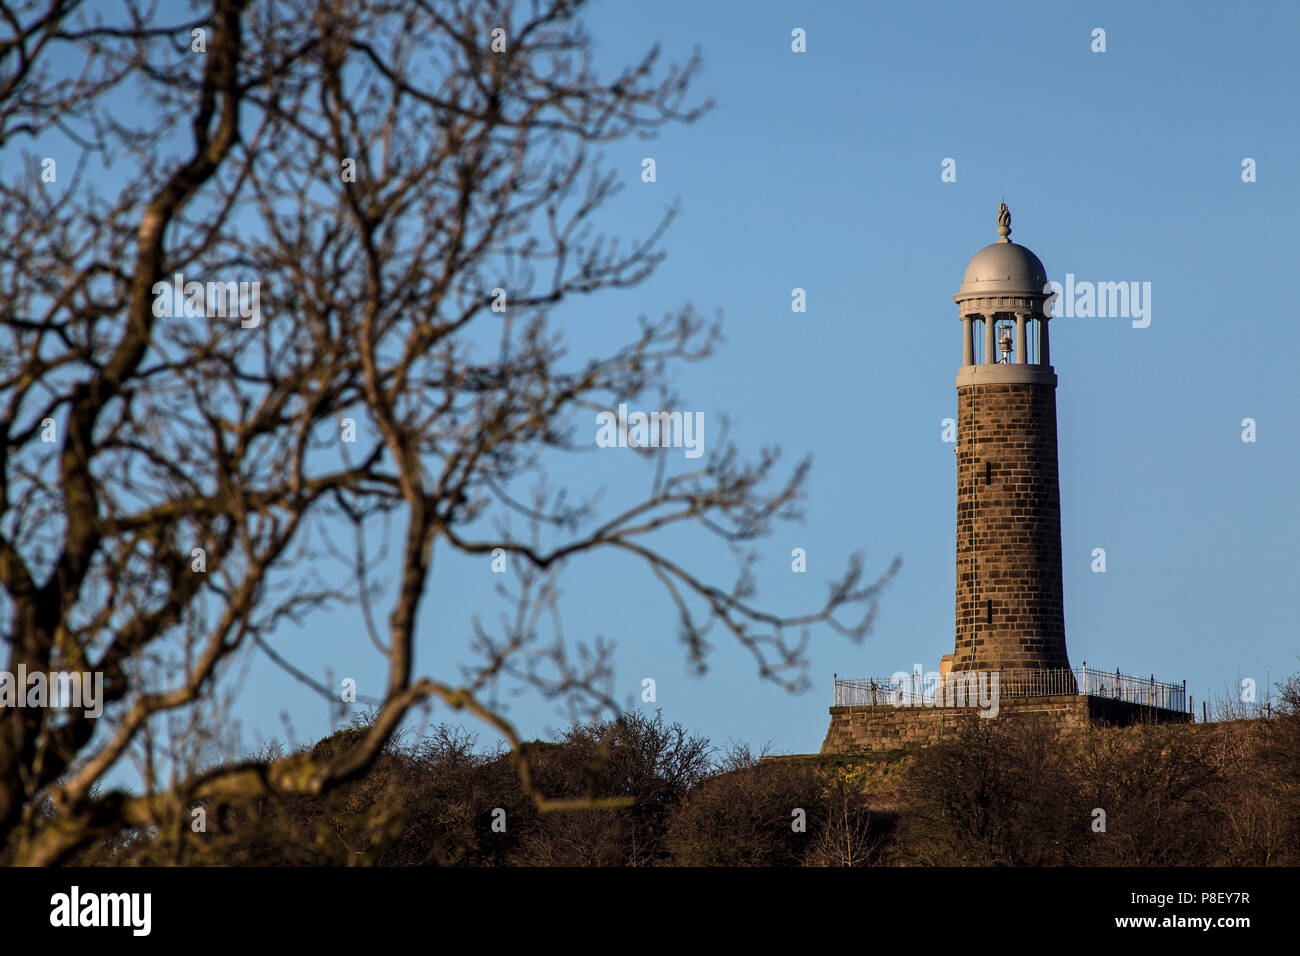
point(1004, 222)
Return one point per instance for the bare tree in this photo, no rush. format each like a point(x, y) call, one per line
point(846, 839)
point(409, 190)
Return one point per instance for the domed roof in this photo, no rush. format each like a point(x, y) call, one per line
point(1004, 266)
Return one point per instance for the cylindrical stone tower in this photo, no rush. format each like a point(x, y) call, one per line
point(1009, 608)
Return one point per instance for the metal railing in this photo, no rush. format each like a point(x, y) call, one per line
point(1136, 690)
point(913, 690)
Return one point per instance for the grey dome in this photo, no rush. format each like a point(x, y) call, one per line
point(1004, 267)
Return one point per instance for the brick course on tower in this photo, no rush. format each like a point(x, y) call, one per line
point(1009, 608)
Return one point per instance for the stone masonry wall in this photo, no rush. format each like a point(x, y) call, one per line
point(871, 729)
point(1008, 530)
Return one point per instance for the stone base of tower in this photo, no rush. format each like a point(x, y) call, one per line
point(880, 727)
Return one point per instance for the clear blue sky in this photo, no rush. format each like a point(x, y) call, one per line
point(822, 170)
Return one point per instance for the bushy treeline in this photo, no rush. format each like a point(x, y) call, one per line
point(999, 792)
point(1006, 794)
point(441, 802)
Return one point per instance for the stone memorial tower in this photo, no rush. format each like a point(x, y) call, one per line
point(1009, 658)
point(1009, 609)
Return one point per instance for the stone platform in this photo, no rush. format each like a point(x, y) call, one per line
point(880, 727)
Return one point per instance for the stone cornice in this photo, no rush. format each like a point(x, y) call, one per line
point(1008, 374)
